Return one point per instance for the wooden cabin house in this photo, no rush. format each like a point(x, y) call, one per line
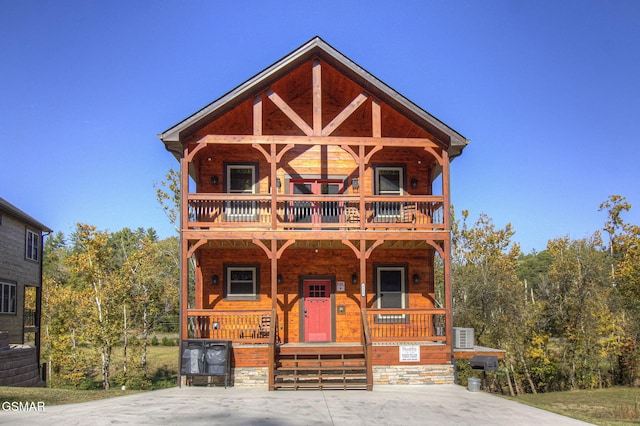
point(315, 221)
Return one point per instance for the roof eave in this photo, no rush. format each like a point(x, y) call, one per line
point(316, 46)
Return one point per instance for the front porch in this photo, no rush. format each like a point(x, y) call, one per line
point(395, 346)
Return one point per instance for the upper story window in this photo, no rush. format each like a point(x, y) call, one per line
point(241, 178)
point(242, 282)
point(389, 180)
point(32, 245)
point(7, 298)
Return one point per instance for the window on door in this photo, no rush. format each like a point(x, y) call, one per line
point(391, 290)
point(316, 211)
point(241, 179)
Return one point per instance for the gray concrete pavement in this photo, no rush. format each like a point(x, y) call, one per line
point(386, 405)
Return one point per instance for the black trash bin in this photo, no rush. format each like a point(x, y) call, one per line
point(216, 359)
point(192, 359)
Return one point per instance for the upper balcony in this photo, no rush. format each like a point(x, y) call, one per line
point(315, 212)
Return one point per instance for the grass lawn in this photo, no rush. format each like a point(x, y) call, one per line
point(163, 366)
point(614, 406)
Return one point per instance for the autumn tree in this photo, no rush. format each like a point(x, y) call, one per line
point(90, 261)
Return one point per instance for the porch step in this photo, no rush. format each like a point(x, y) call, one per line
point(307, 367)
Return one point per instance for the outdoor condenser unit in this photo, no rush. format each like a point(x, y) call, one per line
point(463, 338)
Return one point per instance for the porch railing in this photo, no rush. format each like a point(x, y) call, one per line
point(237, 326)
point(397, 325)
point(316, 212)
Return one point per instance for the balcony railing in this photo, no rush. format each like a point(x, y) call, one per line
point(316, 212)
point(393, 325)
point(238, 326)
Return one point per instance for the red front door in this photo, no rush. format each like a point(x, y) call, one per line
point(317, 310)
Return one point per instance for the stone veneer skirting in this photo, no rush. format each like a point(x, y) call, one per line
point(240, 376)
point(413, 374)
point(382, 375)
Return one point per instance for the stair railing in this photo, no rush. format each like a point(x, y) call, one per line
point(365, 339)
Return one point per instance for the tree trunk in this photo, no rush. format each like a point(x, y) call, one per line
point(106, 361)
point(124, 347)
point(515, 380)
point(526, 372)
point(506, 369)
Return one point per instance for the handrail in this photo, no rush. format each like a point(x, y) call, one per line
point(273, 330)
point(316, 212)
point(366, 345)
point(405, 325)
point(242, 327)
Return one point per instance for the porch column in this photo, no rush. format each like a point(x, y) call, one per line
point(363, 275)
point(184, 261)
point(448, 295)
point(274, 273)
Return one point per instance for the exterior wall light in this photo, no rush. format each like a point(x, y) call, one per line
point(414, 183)
point(355, 183)
point(416, 278)
point(214, 180)
point(214, 280)
point(354, 279)
point(279, 279)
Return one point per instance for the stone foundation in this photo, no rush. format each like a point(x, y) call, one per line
point(382, 375)
point(240, 376)
point(413, 374)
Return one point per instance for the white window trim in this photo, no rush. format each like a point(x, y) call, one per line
point(403, 293)
point(11, 304)
point(32, 245)
point(400, 171)
point(231, 167)
point(241, 296)
point(241, 211)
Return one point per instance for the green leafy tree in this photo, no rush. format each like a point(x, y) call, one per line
point(168, 195)
point(624, 258)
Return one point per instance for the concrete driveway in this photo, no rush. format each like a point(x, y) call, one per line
point(386, 405)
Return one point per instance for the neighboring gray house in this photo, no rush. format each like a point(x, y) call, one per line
point(21, 244)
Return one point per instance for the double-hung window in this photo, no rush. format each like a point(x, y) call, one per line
point(388, 182)
point(242, 282)
point(241, 179)
point(7, 298)
point(391, 291)
point(32, 245)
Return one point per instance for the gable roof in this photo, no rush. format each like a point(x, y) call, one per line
point(9, 208)
point(316, 47)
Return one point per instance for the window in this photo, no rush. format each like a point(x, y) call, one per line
point(7, 298)
point(241, 179)
point(32, 245)
point(391, 291)
point(242, 282)
point(388, 181)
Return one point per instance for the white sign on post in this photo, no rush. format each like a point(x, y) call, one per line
point(409, 353)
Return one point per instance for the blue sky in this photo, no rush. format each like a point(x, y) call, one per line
point(548, 93)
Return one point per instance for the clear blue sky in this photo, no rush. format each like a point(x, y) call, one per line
point(548, 92)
